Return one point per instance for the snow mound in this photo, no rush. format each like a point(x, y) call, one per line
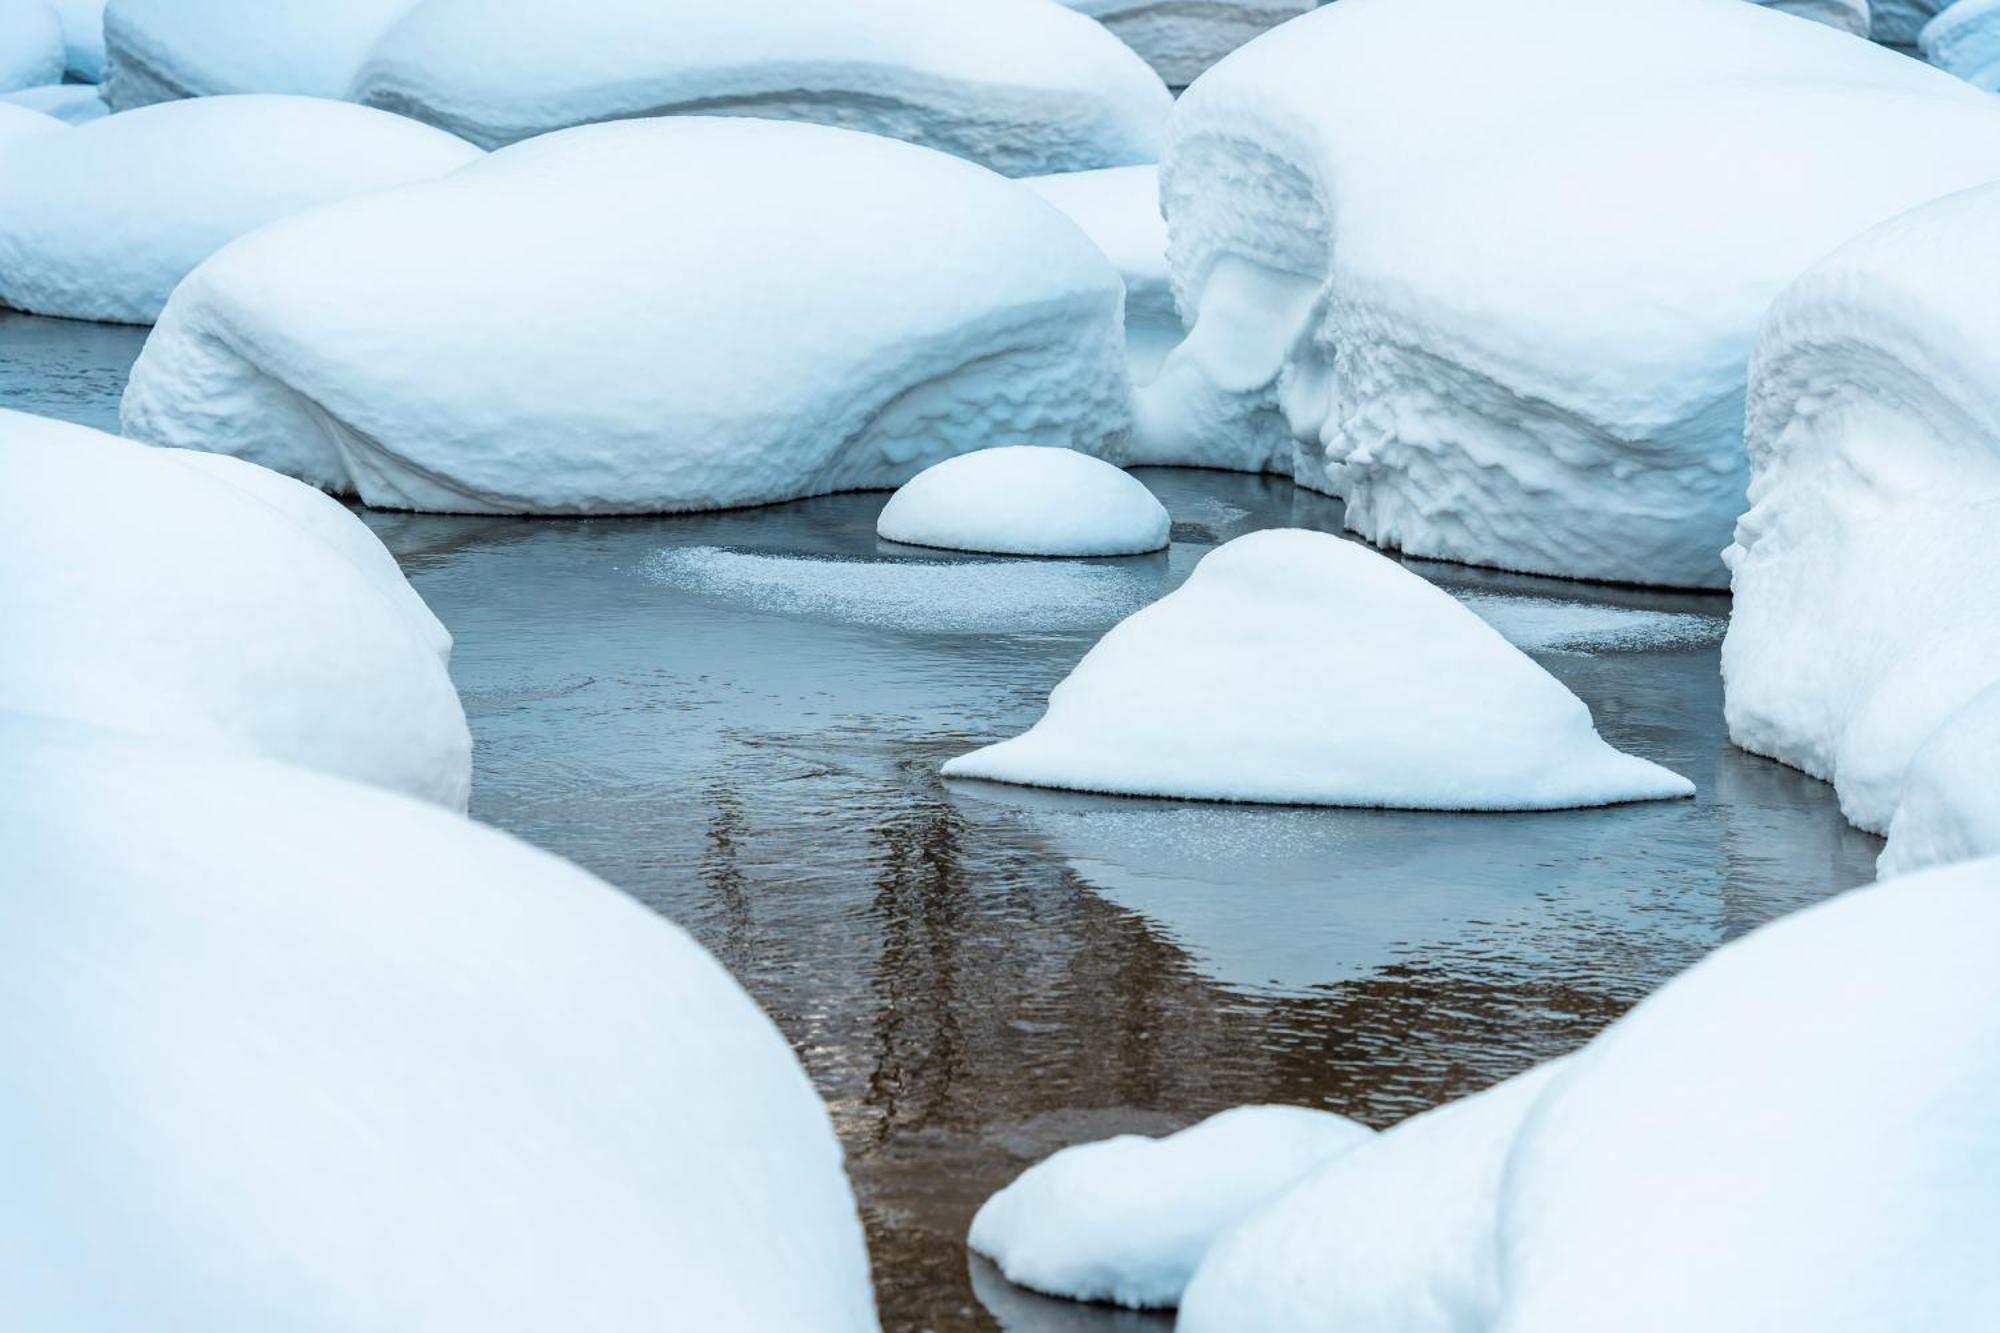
point(71, 103)
point(1022, 86)
point(18, 124)
point(1126, 1220)
point(83, 38)
point(1119, 208)
point(1863, 617)
point(31, 44)
point(1397, 1236)
point(285, 1052)
point(1901, 22)
point(216, 604)
point(1950, 809)
point(1406, 699)
point(102, 223)
point(1022, 500)
point(845, 311)
point(160, 50)
point(1180, 40)
point(1965, 40)
point(1847, 15)
point(1398, 292)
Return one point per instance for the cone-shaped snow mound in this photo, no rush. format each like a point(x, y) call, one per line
point(31, 45)
point(1022, 500)
point(285, 1052)
point(215, 603)
point(159, 50)
point(101, 223)
point(828, 311)
point(1179, 39)
point(1125, 1220)
point(1408, 699)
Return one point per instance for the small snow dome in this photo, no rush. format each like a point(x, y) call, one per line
point(1024, 500)
point(102, 222)
point(1406, 700)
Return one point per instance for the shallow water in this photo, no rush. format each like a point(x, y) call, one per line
point(738, 718)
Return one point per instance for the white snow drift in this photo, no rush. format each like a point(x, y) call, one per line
point(159, 50)
point(1403, 698)
point(1126, 1220)
point(217, 604)
point(1950, 809)
point(102, 222)
point(1965, 39)
point(1119, 208)
point(1497, 265)
point(830, 311)
point(1864, 615)
point(279, 1051)
point(1022, 500)
point(1179, 39)
point(31, 44)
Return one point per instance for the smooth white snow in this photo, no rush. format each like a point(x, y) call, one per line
point(18, 124)
point(1378, 231)
point(83, 38)
point(1950, 810)
point(31, 44)
point(1179, 39)
point(830, 311)
point(278, 1051)
point(1023, 500)
point(1126, 1220)
point(71, 103)
point(1965, 39)
point(217, 606)
point(159, 50)
point(1022, 86)
point(101, 223)
point(1119, 208)
point(1406, 699)
point(1863, 613)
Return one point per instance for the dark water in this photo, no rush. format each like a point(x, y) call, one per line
point(738, 718)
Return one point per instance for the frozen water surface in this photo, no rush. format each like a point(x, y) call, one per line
point(738, 718)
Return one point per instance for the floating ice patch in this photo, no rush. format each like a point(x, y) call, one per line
point(928, 596)
point(1541, 625)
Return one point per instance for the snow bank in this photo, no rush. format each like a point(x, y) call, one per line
point(846, 310)
point(1126, 1220)
point(1950, 809)
point(1398, 1236)
point(159, 50)
point(1377, 232)
point(279, 1051)
point(1965, 40)
point(1119, 208)
point(1180, 40)
point(1022, 86)
point(1022, 500)
point(102, 223)
point(1847, 15)
point(1863, 615)
point(216, 604)
point(1406, 698)
point(83, 38)
point(71, 103)
point(31, 44)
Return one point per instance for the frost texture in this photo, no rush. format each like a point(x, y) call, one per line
point(832, 311)
point(1017, 500)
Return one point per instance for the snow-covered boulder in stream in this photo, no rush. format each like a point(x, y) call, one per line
point(1022, 86)
point(1179, 39)
point(1864, 615)
point(840, 311)
point(101, 223)
point(1965, 40)
point(1950, 809)
point(1400, 292)
point(31, 44)
point(1023, 500)
point(1403, 698)
point(1126, 1220)
point(281, 1051)
point(159, 50)
point(220, 605)
point(1119, 208)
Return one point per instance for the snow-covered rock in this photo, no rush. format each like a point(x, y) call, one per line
point(101, 223)
point(1024, 500)
point(31, 44)
point(1404, 698)
point(1900, 22)
point(841, 311)
point(1126, 1220)
point(71, 103)
point(219, 605)
point(18, 124)
point(1119, 208)
point(1378, 234)
point(1847, 15)
point(159, 50)
point(1398, 1236)
point(1863, 616)
point(1179, 39)
point(1965, 40)
point(1022, 86)
point(83, 38)
point(1950, 809)
point(280, 1051)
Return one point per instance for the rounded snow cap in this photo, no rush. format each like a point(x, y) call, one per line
point(1026, 500)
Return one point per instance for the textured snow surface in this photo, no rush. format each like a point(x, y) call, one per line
point(71, 103)
point(1022, 500)
point(83, 37)
point(1950, 809)
point(158, 50)
point(101, 223)
point(1180, 39)
point(217, 604)
point(1126, 1220)
point(845, 311)
point(1119, 208)
point(1397, 1236)
point(31, 44)
point(1864, 612)
point(1377, 231)
point(279, 1051)
point(1023, 86)
point(1899, 22)
point(1965, 39)
point(1408, 699)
